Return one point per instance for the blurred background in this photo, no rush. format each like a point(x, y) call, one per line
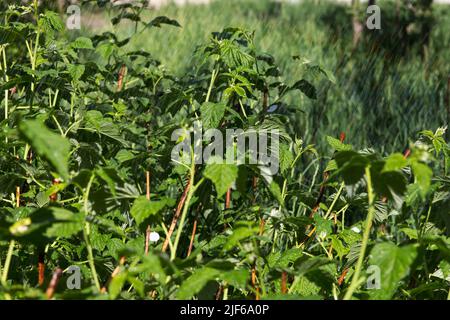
point(390, 83)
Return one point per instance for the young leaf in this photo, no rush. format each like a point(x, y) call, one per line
point(143, 209)
point(76, 71)
point(82, 43)
point(222, 175)
point(115, 287)
point(158, 21)
point(394, 263)
point(423, 175)
point(351, 165)
point(337, 145)
point(192, 285)
point(212, 114)
point(394, 162)
point(324, 226)
point(50, 146)
point(243, 231)
point(306, 87)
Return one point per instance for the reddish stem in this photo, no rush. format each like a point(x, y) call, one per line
point(121, 76)
point(17, 196)
point(321, 194)
point(41, 268)
point(53, 283)
point(54, 196)
point(147, 178)
point(406, 153)
point(147, 239)
point(342, 277)
point(113, 274)
point(176, 217)
point(147, 233)
point(283, 282)
point(191, 243)
point(228, 199)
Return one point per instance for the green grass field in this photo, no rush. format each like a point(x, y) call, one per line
point(379, 99)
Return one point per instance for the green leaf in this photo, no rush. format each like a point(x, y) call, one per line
point(305, 264)
point(212, 114)
point(222, 175)
point(394, 263)
point(152, 265)
point(138, 285)
point(441, 243)
point(391, 184)
point(193, 284)
point(331, 166)
point(64, 229)
point(338, 145)
point(116, 284)
point(276, 192)
point(351, 165)
point(45, 224)
point(350, 237)
point(96, 122)
point(411, 233)
point(143, 209)
point(125, 15)
point(324, 226)
point(50, 146)
point(158, 21)
point(394, 162)
point(423, 175)
point(306, 87)
point(99, 240)
point(286, 157)
point(124, 155)
point(50, 21)
point(338, 246)
point(236, 278)
point(241, 232)
point(76, 71)
point(240, 91)
point(110, 176)
point(284, 259)
point(82, 43)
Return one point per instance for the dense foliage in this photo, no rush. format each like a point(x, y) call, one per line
point(86, 178)
point(390, 77)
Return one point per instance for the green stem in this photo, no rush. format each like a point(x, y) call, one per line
point(71, 104)
point(356, 281)
point(86, 234)
point(6, 111)
point(167, 236)
point(211, 83)
point(33, 54)
point(5, 67)
point(338, 194)
point(225, 291)
point(186, 207)
point(26, 150)
point(242, 109)
point(8, 262)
